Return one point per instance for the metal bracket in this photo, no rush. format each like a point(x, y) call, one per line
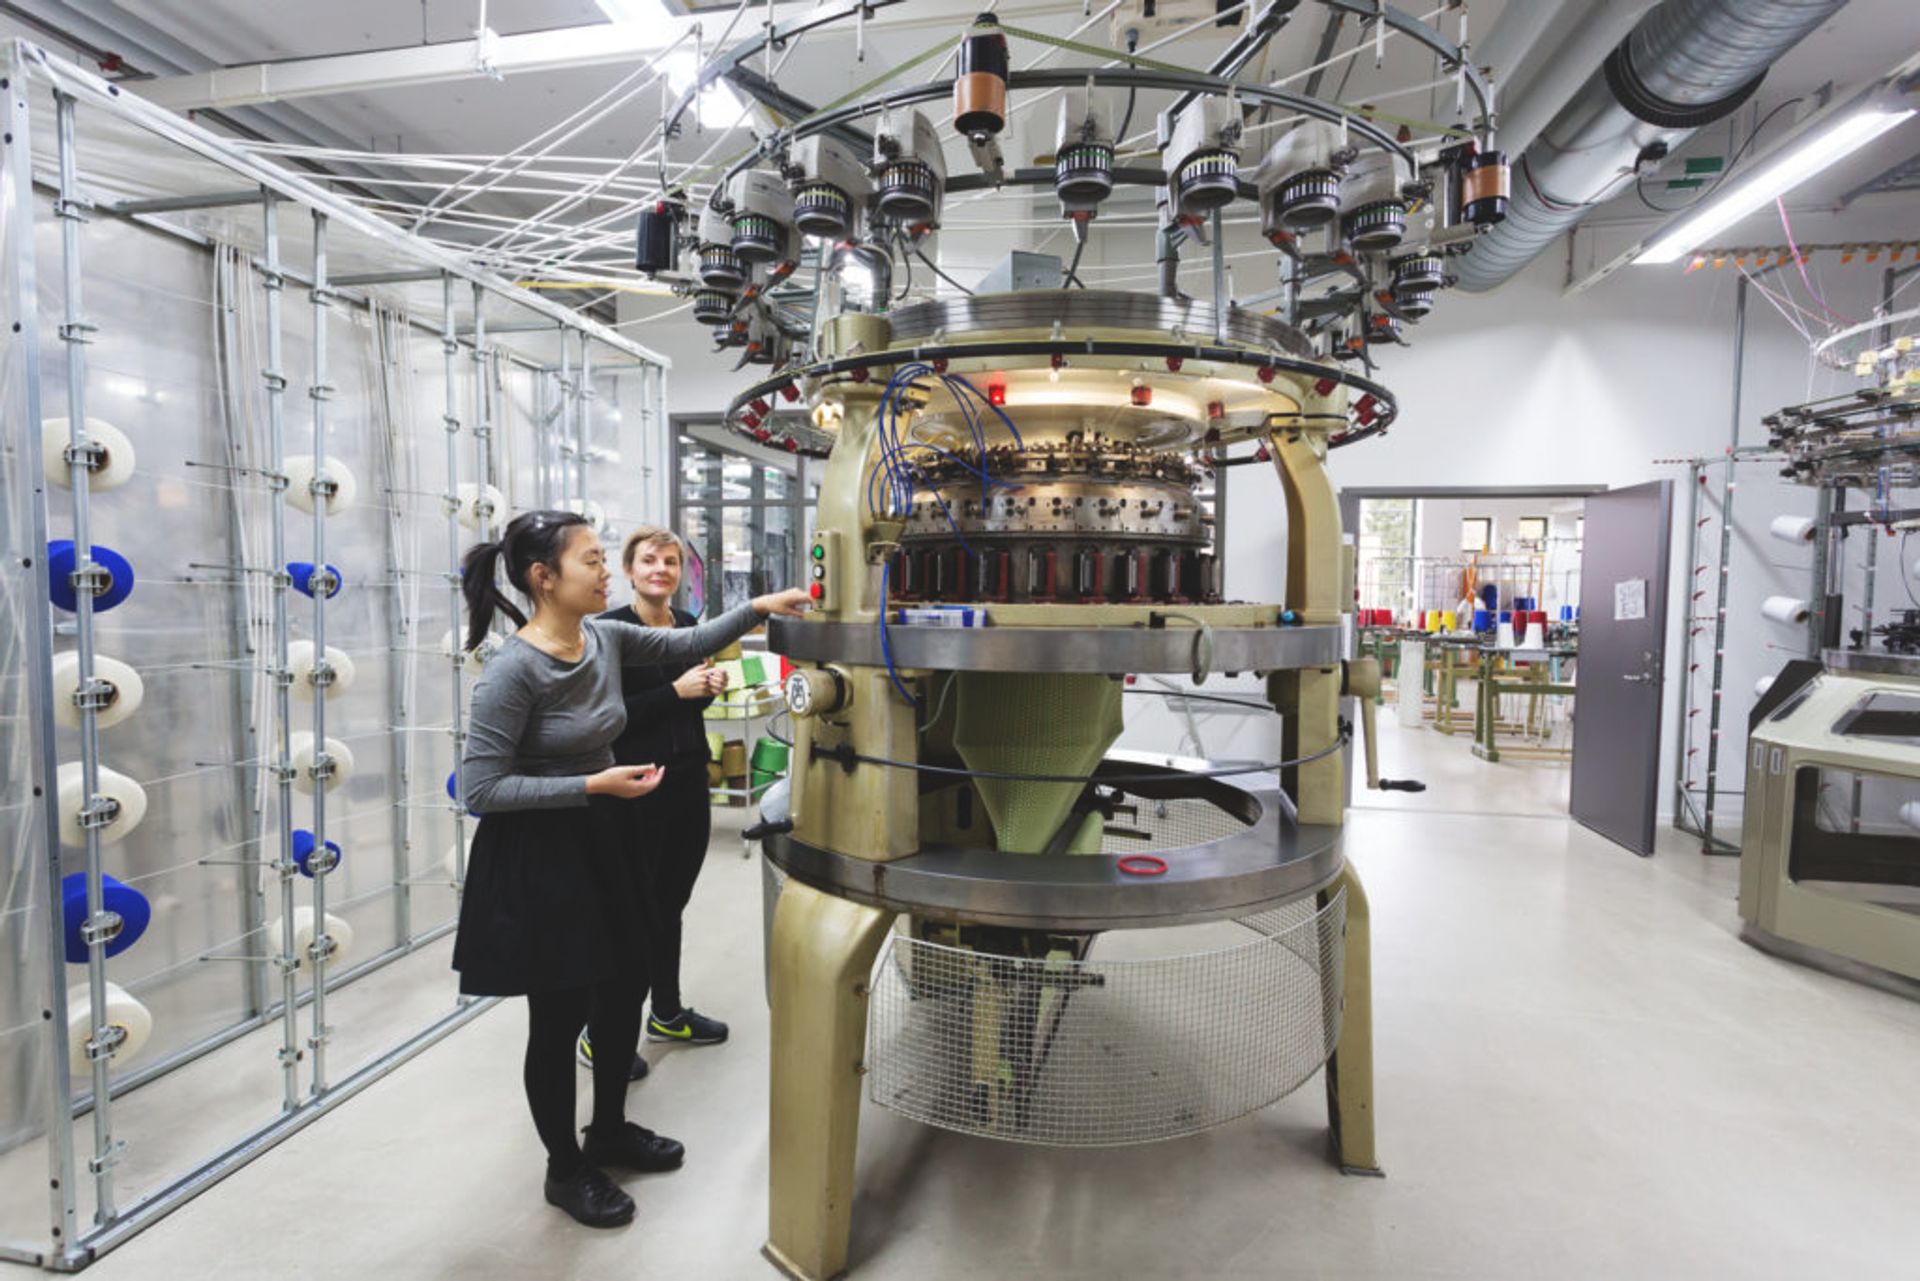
point(74, 207)
point(105, 1041)
point(100, 1163)
point(274, 379)
point(321, 391)
point(76, 331)
point(96, 695)
point(98, 811)
point(90, 454)
point(322, 768)
point(102, 927)
point(321, 675)
point(323, 581)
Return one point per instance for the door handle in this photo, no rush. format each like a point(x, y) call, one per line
point(1637, 676)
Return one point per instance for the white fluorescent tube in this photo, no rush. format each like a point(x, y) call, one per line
point(1792, 167)
point(637, 11)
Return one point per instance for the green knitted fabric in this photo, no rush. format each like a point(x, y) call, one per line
point(1050, 723)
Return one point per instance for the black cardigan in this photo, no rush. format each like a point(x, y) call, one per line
point(662, 728)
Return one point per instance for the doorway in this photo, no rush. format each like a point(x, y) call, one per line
point(1469, 599)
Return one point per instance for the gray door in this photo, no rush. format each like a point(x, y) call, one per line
point(1623, 640)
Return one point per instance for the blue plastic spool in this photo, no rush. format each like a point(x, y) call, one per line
point(61, 559)
point(135, 912)
point(302, 572)
point(1482, 620)
point(303, 846)
point(453, 792)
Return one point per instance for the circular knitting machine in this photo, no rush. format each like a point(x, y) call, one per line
point(1011, 523)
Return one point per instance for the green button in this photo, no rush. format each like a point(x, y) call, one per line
point(819, 551)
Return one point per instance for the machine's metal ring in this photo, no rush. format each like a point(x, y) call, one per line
point(1386, 410)
point(1107, 650)
point(1274, 860)
point(1088, 309)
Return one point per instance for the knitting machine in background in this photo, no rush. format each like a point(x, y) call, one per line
point(1830, 851)
point(965, 875)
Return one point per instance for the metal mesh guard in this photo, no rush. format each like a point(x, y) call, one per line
point(1099, 1054)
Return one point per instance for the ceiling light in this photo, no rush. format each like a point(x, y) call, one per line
point(719, 107)
point(637, 11)
point(1793, 166)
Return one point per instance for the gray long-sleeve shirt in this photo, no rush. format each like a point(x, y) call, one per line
point(538, 725)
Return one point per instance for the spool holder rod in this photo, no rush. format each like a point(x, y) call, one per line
point(319, 392)
point(273, 283)
point(97, 810)
point(450, 420)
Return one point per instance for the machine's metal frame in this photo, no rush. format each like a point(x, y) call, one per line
point(25, 69)
point(1804, 731)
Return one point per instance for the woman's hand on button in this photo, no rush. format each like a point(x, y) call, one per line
point(793, 602)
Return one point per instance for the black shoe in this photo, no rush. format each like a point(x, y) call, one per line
point(688, 1028)
point(633, 1147)
point(591, 1198)
point(583, 1052)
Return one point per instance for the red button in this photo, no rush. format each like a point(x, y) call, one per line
point(817, 590)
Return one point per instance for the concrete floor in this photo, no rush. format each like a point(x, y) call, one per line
point(1581, 1073)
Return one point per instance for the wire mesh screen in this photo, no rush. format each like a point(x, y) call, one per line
point(1083, 1053)
point(1141, 826)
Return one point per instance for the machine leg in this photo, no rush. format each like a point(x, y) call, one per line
point(822, 954)
point(1350, 1070)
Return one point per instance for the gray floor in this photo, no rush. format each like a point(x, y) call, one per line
point(1582, 1073)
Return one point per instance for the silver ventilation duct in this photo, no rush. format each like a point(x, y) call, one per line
point(1685, 64)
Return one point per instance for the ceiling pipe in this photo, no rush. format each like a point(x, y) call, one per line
point(1684, 65)
point(1532, 90)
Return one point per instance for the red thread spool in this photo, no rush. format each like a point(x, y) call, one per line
point(1174, 363)
point(1265, 373)
point(1142, 394)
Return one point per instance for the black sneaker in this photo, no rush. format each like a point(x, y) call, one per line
point(688, 1028)
point(591, 1198)
point(633, 1147)
point(583, 1054)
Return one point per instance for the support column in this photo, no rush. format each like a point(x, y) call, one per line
point(822, 954)
point(1309, 699)
point(1350, 1070)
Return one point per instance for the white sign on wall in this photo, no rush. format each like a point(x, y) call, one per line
point(1629, 600)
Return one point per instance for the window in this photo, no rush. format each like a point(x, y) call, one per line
point(1533, 531)
point(1386, 550)
point(744, 520)
point(1476, 534)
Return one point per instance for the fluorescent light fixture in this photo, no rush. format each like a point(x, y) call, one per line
point(1779, 175)
point(636, 11)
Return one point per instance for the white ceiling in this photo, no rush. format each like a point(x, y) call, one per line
point(487, 117)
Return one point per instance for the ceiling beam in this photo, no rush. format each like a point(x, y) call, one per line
point(592, 44)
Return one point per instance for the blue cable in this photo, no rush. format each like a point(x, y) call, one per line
point(886, 649)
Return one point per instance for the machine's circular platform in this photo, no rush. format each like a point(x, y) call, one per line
point(1082, 309)
point(1109, 650)
point(1261, 858)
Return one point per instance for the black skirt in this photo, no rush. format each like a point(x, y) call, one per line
point(555, 898)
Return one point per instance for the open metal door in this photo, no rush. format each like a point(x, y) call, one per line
point(1623, 639)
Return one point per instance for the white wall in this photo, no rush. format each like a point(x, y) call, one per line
point(1525, 386)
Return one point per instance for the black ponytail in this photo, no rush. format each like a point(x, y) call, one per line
point(531, 538)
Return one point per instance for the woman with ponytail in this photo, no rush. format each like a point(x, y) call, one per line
point(555, 896)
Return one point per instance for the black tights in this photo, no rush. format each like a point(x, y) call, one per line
point(611, 1013)
point(675, 823)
